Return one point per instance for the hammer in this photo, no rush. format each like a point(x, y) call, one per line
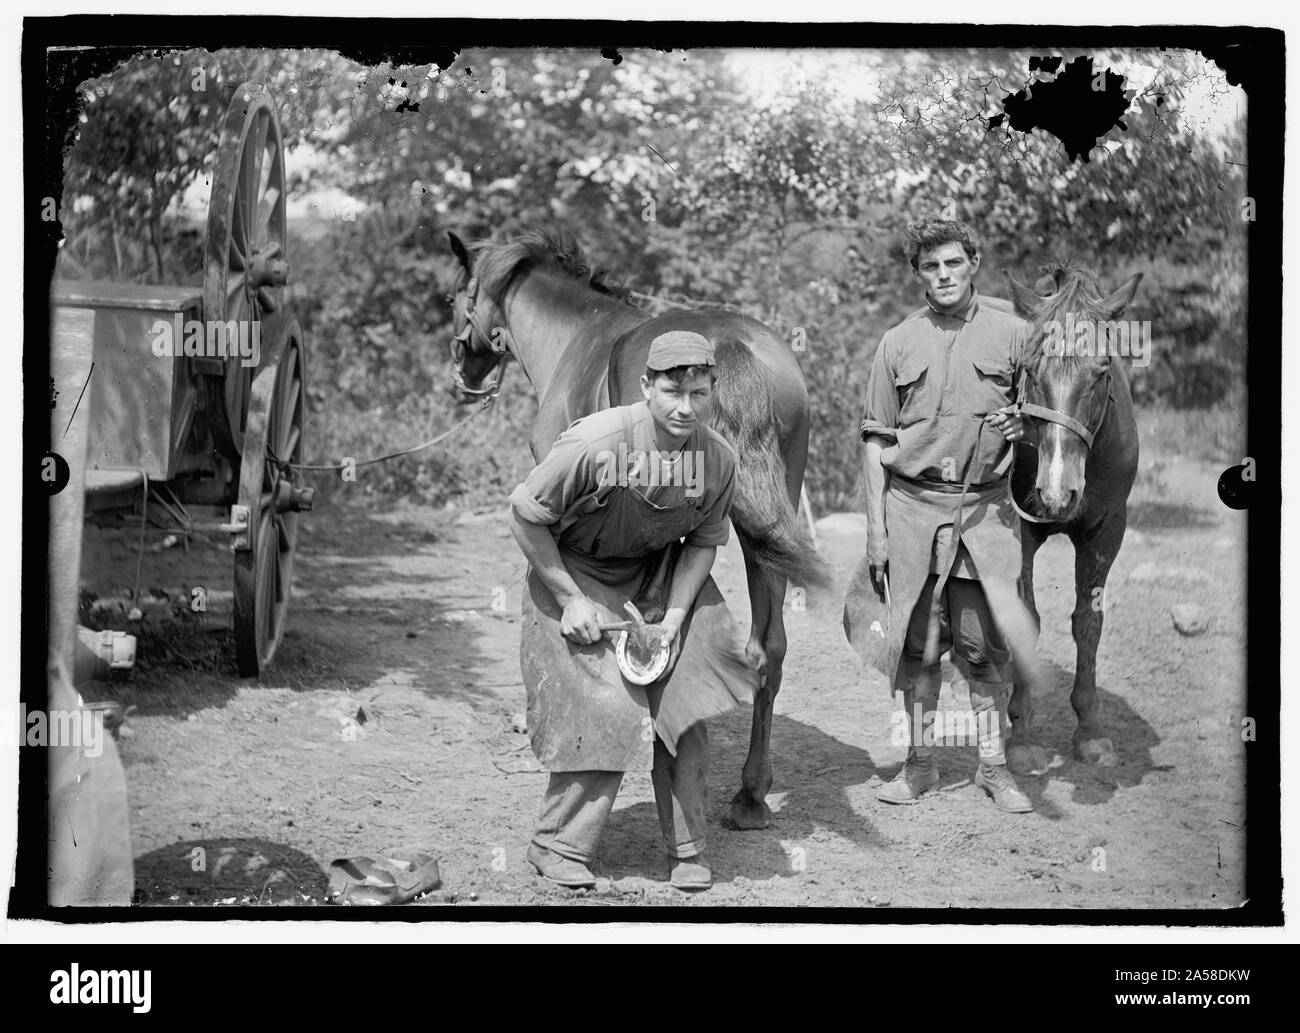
point(636, 628)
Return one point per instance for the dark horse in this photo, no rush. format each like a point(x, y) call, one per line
point(583, 347)
point(1077, 478)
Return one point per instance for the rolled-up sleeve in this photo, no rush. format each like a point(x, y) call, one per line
point(714, 529)
point(555, 483)
point(880, 413)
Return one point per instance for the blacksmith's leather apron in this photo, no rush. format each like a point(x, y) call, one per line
point(583, 715)
point(921, 519)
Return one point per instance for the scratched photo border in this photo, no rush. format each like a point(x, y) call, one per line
point(1252, 58)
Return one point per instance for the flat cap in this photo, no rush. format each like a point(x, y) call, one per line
point(679, 348)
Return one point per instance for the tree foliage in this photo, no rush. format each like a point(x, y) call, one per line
point(680, 174)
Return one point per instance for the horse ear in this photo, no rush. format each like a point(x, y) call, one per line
point(1023, 297)
point(461, 252)
point(1120, 299)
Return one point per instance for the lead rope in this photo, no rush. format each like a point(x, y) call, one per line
point(391, 455)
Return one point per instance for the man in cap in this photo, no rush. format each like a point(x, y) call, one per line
point(623, 495)
point(938, 423)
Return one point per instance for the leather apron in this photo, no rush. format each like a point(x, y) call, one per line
point(914, 515)
point(583, 715)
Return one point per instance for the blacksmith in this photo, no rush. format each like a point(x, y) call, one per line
point(596, 526)
point(939, 423)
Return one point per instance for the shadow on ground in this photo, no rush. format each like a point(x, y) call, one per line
point(367, 601)
point(227, 871)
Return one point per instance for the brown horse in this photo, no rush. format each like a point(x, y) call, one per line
point(584, 347)
point(1075, 480)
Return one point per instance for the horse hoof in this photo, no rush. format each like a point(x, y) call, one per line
point(1095, 751)
point(1027, 759)
point(746, 815)
point(652, 610)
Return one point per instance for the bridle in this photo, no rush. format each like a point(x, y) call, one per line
point(462, 340)
point(1042, 412)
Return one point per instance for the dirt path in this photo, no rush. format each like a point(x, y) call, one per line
point(387, 726)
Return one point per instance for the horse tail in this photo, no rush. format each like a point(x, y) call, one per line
point(766, 523)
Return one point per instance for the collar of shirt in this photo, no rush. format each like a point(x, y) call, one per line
point(965, 315)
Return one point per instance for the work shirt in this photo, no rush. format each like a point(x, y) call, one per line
point(595, 454)
point(934, 379)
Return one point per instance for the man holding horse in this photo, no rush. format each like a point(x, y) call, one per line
point(943, 547)
point(598, 534)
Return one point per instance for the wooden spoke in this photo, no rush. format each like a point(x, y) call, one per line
point(265, 209)
point(290, 453)
point(286, 414)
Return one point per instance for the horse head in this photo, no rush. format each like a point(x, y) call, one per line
point(1074, 337)
point(480, 340)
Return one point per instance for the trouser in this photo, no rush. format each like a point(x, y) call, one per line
point(966, 628)
point(578, 803)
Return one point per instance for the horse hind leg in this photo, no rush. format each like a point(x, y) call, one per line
point(765, 651)
point(1092, 561)
point(1025, 755)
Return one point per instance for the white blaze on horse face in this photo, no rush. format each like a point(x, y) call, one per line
point(1054, 488)
point(1061, 455)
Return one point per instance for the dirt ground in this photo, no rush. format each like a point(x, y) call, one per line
point(387, 725)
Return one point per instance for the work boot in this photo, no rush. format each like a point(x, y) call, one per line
point(919, 772)
point(561, 870)
point(689, 874)
point(996, 780)
point(916, 776)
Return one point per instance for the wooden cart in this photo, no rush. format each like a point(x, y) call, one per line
point(178, 413)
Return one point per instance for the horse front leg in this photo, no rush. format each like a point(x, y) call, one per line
point(1092, 561)
point(766, 652)
point(652, 600)
point(1025, 754)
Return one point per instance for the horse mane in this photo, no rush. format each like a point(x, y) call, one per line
point(496, 264)
point(1078, 293)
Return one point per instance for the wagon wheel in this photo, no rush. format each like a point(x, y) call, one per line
point(270, 495)
point(245, 262)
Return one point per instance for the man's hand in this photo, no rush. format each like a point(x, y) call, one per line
point(670, 632)
point(671, 625)
point(580, 621)
point(878, 564)
point(1008, 421)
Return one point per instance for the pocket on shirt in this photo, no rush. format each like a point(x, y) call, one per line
point(995, 378)
point(910, 383)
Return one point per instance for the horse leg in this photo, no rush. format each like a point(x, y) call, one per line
point(652, 600)
point(1093, 556)
point(765, 650)
point(1025, 755)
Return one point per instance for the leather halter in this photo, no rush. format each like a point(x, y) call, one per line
point(1062, 419)
point(1041, 412)
point(464, 339)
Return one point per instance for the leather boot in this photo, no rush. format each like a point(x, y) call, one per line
point(920, 772)
point(989, 702)
point(689, 874)
point(561, 870)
